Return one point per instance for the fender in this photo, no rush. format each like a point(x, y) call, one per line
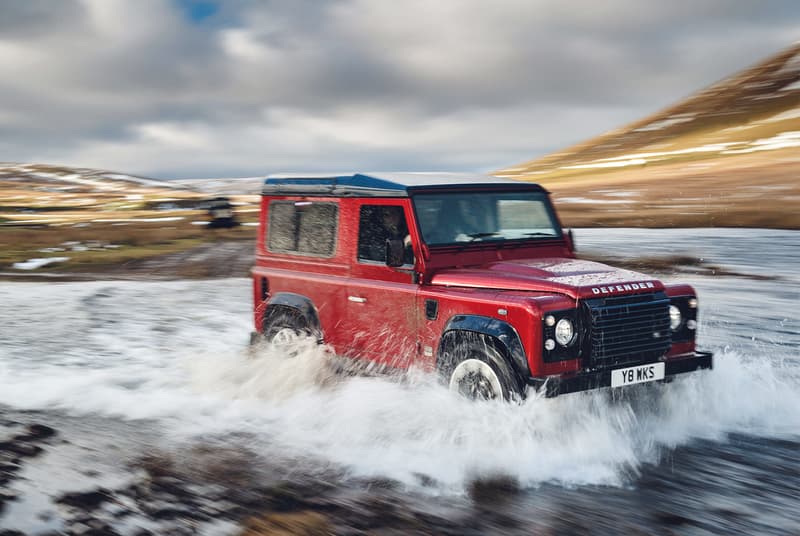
point(303, 305)
point(500, 330)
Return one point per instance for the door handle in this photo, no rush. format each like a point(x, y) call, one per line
point(356, 299)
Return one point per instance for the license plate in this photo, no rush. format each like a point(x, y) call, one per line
point(640, 374)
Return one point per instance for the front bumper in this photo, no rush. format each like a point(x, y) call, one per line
point(559, 385)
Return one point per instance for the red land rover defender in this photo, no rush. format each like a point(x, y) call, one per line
point(469, 276)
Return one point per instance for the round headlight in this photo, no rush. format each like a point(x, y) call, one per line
point(565, 332)
point(674, 317)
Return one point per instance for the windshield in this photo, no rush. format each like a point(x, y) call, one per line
point(458, 218)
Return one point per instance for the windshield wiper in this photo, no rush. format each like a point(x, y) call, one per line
point(540, 234)
point(476, 236)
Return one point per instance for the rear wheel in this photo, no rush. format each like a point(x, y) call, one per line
point(285, 329)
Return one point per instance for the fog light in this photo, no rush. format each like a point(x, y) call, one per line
point(674, 317)
point(691, 324)
point(564, 332)
point(550, 320)
point(549, 344)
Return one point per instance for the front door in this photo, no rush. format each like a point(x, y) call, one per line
point(381, 300)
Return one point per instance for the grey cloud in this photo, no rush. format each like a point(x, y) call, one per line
point(31, 18)
point(285, 83)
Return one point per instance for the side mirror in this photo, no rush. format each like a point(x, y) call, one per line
point(571, 241)
point(395, 252)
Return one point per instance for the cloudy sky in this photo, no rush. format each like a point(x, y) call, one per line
point(182, 88)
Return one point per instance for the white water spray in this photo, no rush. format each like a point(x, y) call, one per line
point(174, 355)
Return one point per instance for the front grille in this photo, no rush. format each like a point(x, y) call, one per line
point(627, 329)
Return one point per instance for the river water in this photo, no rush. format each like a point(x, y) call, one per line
point(123, 369)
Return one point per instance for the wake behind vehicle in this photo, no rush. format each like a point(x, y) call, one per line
point(469, 276)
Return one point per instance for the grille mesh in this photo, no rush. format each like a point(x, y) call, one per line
point(627, 329)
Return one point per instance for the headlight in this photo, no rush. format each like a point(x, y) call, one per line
point(674, 317)
point(565, 332)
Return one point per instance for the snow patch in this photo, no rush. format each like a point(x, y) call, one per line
point(33, 264)
point(642, 158)
point(791, 87)
point(780, 141)
point(666, 123)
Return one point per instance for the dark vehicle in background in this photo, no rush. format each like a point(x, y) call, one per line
point(220, 213)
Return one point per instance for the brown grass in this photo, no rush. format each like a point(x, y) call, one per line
point(136, 241)
point(756, 190)
point(305, 523)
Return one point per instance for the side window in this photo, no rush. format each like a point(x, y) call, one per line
point(376, 225)
point(302, 227)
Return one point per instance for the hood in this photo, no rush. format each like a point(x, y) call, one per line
point(571, 277)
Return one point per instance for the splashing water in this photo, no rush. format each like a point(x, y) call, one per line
point(172, 354)
point(417, 430)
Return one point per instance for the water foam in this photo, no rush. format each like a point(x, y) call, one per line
point(148, 351)
point(415, 430)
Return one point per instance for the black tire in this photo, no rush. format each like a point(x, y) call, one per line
point(284, 321)
point(479, 371)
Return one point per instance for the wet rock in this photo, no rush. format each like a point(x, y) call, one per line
point(121, 507)
point(172, 486)
point(211, 492)
point(92, 528)
point(220, 508)
point(284, 499)
point(139, 491)
point(40, 431)
point(11, 533)
point(79, 528)
point(88, 501)
point(492, 490)
point(174, 512)
point(7, 496)
point(671, 519)
point(157, 466)
point(256, 499)
point(425, 480)
point(382, 484)
point(26, 450)
point(8, 472)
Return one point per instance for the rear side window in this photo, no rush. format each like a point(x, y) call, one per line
point(302, 227)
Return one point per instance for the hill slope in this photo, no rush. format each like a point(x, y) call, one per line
point(726, 156)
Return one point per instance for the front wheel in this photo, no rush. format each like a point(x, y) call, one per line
point(475, 379)
point(481, 373)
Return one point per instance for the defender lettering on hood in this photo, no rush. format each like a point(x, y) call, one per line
point(623, 288)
